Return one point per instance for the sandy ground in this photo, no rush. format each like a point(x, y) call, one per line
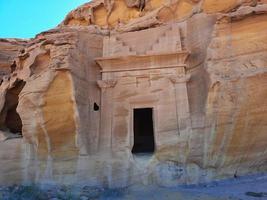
point(245, 188)
point(241, 188)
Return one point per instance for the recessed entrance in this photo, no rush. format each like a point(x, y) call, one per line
point(143, 131)
point(10, 120)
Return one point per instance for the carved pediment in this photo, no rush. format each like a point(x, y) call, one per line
point(151, 41)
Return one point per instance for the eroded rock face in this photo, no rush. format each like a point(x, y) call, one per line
point(9, 50)
point(235, 101)
point(71, 94)
point(49, 77)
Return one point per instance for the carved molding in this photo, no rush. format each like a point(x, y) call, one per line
point(180, 79)
point(143, 62)
point(106, 83)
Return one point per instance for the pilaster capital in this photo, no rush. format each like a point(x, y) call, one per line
point(180, 78)
point(106, 83)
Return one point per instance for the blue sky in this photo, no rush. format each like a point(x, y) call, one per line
point(26, 18)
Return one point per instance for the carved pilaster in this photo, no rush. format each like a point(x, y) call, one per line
point(180, 78)
point(182, 103)
point(105, 136)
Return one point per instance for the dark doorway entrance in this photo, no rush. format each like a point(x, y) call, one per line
point(10, 120)
point(143, 131)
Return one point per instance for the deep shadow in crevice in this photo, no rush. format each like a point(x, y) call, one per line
point(96, 107)
point(10, 119)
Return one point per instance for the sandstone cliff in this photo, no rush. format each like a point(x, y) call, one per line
point(9, 49)
point(49, 94)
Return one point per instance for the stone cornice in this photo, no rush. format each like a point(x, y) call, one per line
point(143, 62)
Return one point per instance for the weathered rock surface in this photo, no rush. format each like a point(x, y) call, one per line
point(9, 49)
point(201, 65)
